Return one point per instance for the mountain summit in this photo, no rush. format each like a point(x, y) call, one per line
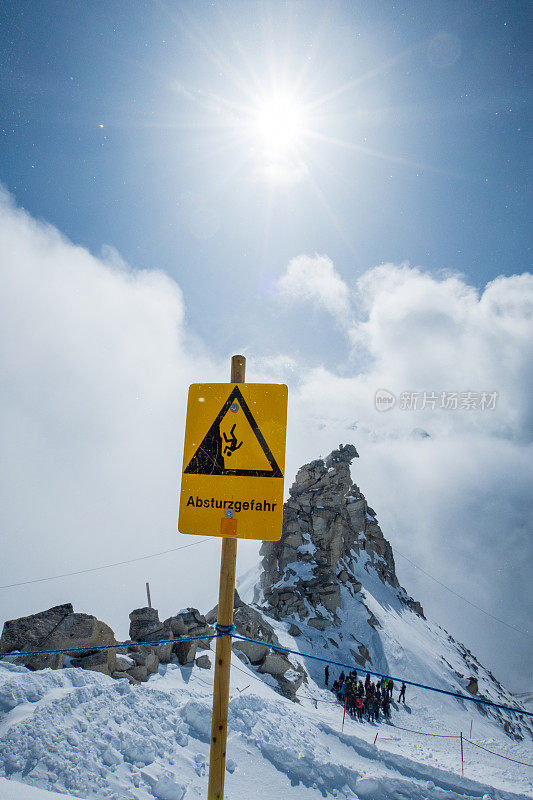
point(329, 587)
point(330, 534)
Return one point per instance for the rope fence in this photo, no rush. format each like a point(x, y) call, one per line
point(479, 700)
point(426, 733)
point(494, 753)
point(229, 630)
point(68, 650)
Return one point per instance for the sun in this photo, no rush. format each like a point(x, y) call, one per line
point(276, 129)
point(278, 125)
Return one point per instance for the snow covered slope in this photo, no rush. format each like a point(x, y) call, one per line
point(328, 588)
point(84, 734)
point(332, 577)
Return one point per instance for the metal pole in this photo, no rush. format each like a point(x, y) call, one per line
point(148, 595)
point(219, 720)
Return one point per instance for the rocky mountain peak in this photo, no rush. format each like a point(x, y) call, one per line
point(331, 539)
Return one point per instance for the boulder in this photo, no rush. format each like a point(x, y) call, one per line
point(164, 651)
point(248, 621)
point(80, 630)
point(294, 630)
point(275, 664)
point(255, 653)
point(185, 652)
point(151, 663)
point(290, 682)
point(319, 623)
point(59, 628)
point(101, 661)
point(189, 622)
point(123, 662)
point(138, 673)
point(29, 633)
point(123, 674)
point(145, 624)
point(203, 662)
point(472, 686)
point(52, 661)
point(145, 657)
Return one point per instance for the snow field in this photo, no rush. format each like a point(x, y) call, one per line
point(84, 734)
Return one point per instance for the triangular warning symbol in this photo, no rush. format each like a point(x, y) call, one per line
point(241, 441)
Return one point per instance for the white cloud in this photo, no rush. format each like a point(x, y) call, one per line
point(457, 502)
point(96, 362)
point(96, 365)
point(315, 279)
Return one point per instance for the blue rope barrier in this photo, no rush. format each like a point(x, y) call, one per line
point(224, 630)
point(382, 675)
point(108, 646)
point(228, 630)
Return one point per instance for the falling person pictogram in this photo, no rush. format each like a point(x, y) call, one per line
point(232, 440)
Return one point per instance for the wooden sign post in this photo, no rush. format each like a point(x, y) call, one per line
point(231, 486)
point(226, 592)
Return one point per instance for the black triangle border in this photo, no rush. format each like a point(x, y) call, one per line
point(275, 472)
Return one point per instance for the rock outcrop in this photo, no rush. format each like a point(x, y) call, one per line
point(327, 588)
point(327, 527)
point(189, 622)
point(60, 628)
point(250, 622)
point(145, 626)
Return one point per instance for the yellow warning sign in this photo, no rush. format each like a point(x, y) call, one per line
point(234, 460)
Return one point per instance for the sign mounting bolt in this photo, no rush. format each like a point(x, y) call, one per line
point(228, 512)
point(234, 407)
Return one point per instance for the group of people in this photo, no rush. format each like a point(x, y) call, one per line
point(369, 700)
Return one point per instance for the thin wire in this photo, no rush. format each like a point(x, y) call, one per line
point(494, 753)
point(104, 566)
point(193, 544)
point(460, 596)
point(424, 733)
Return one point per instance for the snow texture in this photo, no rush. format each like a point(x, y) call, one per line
point(86, 735)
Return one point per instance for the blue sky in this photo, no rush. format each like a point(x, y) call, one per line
point(337, 190)
point(166, 183)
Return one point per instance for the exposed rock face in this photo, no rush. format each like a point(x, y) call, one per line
point(146, 627)
point(100, 661)
point(327, 524)
point(251, 623)
point(59, 628)
point(189, 622)
point(30, 633)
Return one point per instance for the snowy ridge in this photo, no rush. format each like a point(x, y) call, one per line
point(332, 575)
